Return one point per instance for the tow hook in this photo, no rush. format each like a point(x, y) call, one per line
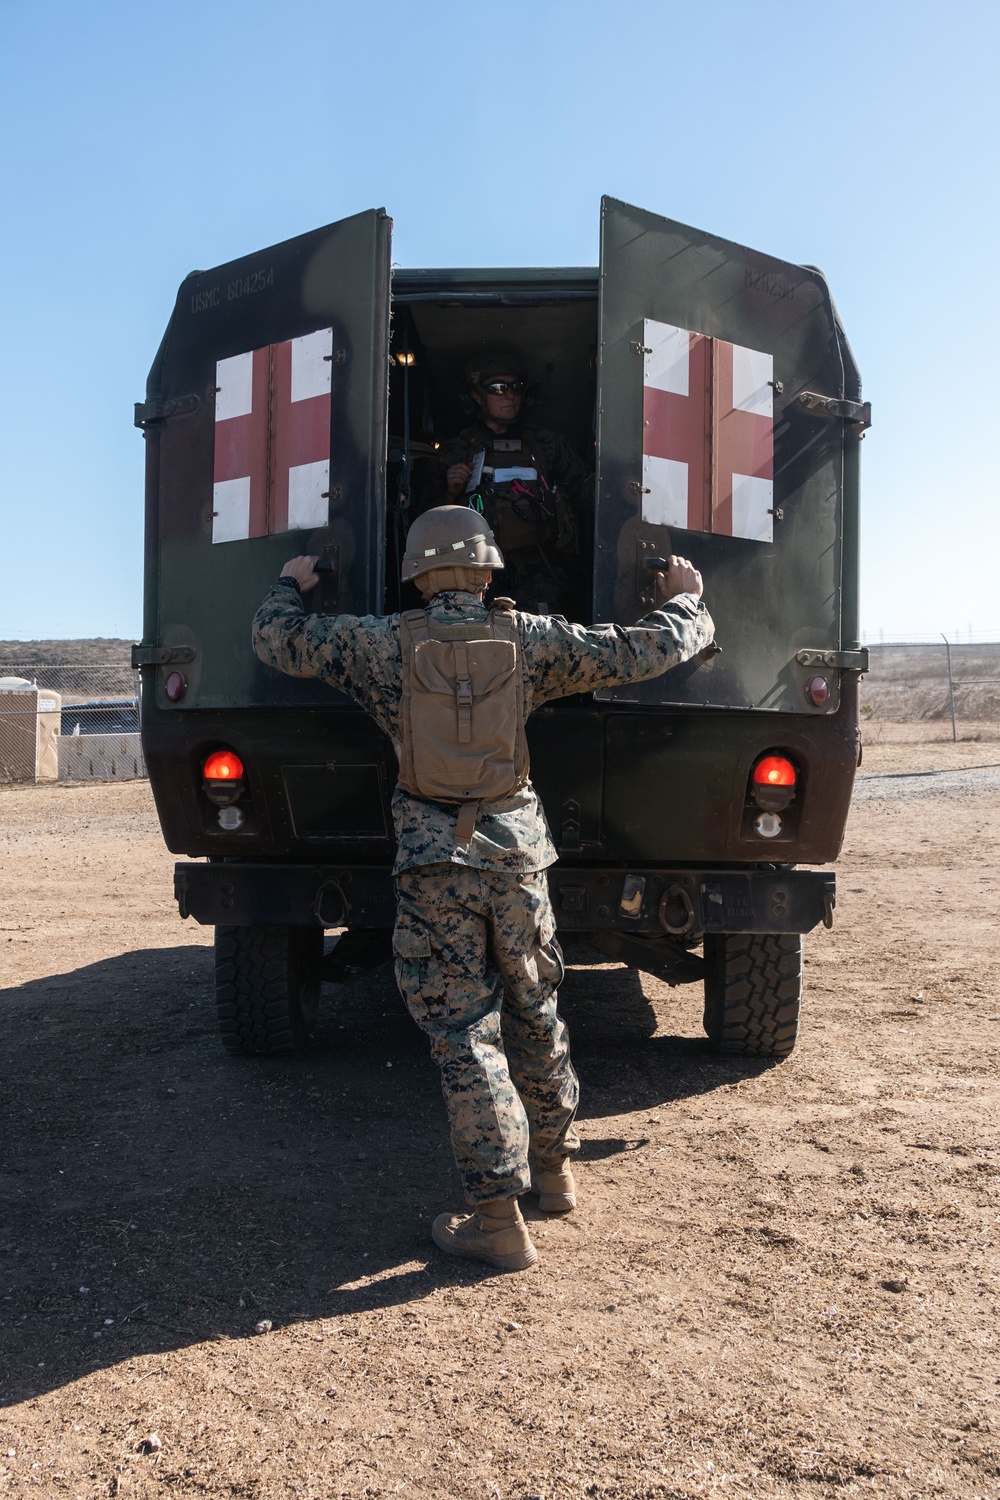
point(676, 893)
point(829, 902)
point(337, 916)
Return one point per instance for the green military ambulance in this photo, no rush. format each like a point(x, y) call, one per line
point(295, 406)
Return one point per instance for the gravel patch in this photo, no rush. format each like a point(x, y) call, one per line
point(891, 786)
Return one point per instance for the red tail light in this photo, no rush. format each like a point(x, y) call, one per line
point(223, 765)
point(774, 770)
point(773, 784)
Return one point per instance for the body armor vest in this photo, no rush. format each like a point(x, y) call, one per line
point(517, 499)
point(462, 711)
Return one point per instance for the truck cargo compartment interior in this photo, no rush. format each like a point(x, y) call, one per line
point(555, 341)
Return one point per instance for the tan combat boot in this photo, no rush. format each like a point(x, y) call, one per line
point(495, 1233)
point(555, 1187)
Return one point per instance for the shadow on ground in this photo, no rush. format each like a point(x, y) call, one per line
point(155, 1193)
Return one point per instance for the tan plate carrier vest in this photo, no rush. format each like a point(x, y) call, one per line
point(462, 712)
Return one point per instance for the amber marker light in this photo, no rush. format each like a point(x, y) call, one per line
point(223, 765)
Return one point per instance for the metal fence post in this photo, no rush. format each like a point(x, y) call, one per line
point(951, 688)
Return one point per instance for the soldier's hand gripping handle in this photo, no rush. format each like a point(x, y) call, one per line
point(679, 577)
point(303, 570)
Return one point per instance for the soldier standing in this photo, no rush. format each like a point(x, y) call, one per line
point(529, 484)
point(476, 957)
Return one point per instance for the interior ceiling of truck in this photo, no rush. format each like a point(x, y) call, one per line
point(557, 343)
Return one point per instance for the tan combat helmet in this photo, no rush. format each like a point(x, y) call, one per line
point(449, 536)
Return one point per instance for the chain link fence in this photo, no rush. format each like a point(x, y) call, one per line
point(63, 721)
point(931, 690)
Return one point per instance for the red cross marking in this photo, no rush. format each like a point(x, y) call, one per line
point(678, 427)
point(300, 432)
point(241, 445)
point(744, 442)
point(718, 438)
point(272, 438)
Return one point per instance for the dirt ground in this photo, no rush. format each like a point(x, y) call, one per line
point(781, 1281)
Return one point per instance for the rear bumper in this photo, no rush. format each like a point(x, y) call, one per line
point(677, 902)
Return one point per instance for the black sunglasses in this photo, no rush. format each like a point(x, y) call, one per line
point(503, 387)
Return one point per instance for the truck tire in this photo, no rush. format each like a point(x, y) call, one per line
point(267, 988)
point(753, 992)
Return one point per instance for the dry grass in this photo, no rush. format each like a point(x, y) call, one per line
point(905, 696)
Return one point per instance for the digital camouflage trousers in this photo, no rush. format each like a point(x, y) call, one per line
point(478, 965)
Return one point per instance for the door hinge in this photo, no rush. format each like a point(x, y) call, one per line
point(158, 411)
point(161, 656)
point(848, 661)
point(638, 347)
point(857, 413)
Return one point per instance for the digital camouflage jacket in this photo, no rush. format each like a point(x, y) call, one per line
point(361, 656)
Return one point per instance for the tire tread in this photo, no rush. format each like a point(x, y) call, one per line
point(753, 992)
point(266, 988)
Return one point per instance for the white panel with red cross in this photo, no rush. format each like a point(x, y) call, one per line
point(272, 439)
point(708, 434)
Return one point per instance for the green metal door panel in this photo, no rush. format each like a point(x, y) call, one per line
point(566, 745)
point(337, 801)
point(776, 590)
point(306, 323)
point(685, 769)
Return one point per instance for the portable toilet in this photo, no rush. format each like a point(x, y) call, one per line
point(29, 731)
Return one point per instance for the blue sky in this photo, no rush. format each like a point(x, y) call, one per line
point(139, 142)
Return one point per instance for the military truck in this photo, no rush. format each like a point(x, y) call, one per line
point(293, 407)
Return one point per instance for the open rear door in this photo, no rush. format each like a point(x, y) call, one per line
point(265, 421)
point(707, 448)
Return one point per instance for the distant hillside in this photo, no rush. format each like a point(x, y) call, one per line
point(98, 651)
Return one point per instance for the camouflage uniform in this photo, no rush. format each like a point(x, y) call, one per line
point(508, 1082)
point(547, 572)
point(477, 960)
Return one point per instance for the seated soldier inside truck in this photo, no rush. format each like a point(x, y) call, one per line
point(530, 485)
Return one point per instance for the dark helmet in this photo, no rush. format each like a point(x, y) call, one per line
point(449, 536)
point(493, 362)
